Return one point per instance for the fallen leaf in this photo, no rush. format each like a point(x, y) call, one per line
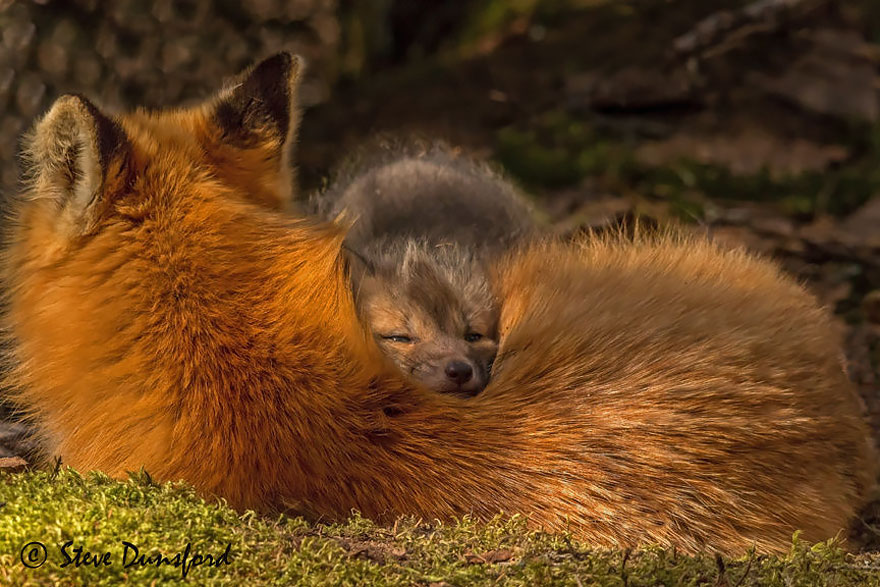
point(13, 464)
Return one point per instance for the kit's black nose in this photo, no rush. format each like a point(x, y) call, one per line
point(459, 371)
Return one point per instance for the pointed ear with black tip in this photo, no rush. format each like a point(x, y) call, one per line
point(76, 157)
point(256, 119)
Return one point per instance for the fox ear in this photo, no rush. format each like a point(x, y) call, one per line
point(359, 266)
point(361, 271)
point(257, 117)
point(74, 152)
point(261, 104)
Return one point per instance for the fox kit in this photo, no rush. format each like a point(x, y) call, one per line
point(424, 225)
point(160, 315)
point(431, 310)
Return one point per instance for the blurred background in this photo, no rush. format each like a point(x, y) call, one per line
point(756, 120)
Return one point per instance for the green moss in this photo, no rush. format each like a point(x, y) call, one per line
point(491, 16)
point(557, 151)
point(536, 164)
point(97, 513)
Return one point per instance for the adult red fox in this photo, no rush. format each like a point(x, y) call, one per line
point(160, 315)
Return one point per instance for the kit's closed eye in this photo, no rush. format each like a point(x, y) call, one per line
point(473, 336)
point(399, 338)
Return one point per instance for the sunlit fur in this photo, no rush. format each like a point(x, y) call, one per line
point(658, 392)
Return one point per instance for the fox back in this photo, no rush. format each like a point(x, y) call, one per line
point(160, 315)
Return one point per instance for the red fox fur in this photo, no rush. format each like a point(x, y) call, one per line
point(160, 315)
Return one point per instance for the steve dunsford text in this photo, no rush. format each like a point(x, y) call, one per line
point(133, 557)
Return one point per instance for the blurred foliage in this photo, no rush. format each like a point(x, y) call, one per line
point(131, 53)
point(558, 151)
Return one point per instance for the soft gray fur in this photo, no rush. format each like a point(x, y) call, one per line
point(430, 194)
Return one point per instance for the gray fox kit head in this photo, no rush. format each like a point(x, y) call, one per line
point(431, 310)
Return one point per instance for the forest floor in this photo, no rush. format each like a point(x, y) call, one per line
point(51, 521)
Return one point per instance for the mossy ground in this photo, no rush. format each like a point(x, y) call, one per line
point(98, 514)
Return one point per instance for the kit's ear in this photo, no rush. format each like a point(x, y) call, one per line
point(254, 123)
point(74, 156)
point(359, 266)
